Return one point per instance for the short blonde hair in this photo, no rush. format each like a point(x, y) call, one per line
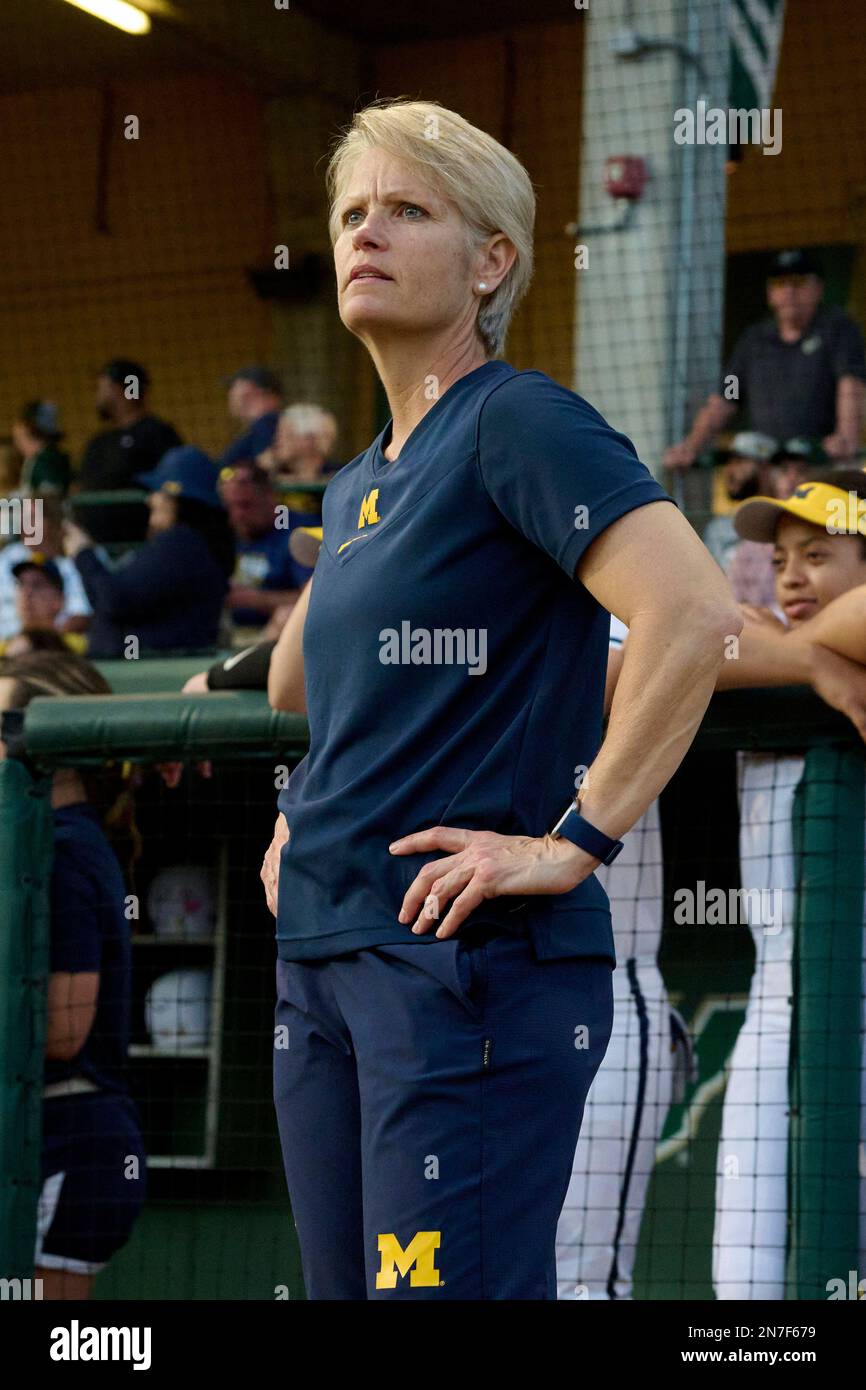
point(487, 183)
point(305, 418)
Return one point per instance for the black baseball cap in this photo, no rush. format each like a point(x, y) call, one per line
point(808, 451)
point(793, 262)
point(262, 377)
point(43, 565)
point(119, 368)
point(43, 418)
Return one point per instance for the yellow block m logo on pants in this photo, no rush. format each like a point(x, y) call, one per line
point(419, 1257)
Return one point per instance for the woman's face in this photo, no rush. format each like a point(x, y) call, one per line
point(813, 567)
point(422, 270)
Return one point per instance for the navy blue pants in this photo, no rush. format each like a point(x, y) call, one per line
point(90, 1197)
point(429, 1099)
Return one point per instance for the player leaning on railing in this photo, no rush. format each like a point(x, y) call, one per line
point(813, 634)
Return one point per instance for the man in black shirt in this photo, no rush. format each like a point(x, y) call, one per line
point(135, 444)
point(799, 373)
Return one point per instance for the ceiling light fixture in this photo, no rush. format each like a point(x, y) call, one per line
point(117, 12)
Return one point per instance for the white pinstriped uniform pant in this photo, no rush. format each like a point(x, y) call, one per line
point(630, 1097)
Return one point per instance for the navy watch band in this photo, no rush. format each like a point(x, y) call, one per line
point(572, 826)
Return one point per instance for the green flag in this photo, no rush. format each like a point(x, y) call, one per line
point(756, 36)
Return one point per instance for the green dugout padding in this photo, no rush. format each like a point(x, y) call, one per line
point(229, 724)
point(26, 848)
point(155, 674)
point(823, 1170)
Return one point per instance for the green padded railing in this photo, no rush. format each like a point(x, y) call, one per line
point(117, 497)
point(772, 721)
point(155, 675)
point(223, 725)
point(124, 496)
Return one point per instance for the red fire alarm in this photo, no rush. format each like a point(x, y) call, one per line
point(625, 175)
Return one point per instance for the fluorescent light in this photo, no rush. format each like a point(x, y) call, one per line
point(117, 12)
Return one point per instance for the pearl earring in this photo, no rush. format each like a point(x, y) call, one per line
point(482, 285)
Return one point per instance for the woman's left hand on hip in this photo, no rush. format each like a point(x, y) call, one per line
point(481, 864)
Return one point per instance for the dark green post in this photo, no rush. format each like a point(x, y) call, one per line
point(26, 849)
point(826, 1038)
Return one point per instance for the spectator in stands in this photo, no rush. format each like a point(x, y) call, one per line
point(800, 372)
point(795, 462)
point(301, 454)
point(254, 401)
point(301, 450)
point(36, 434)
point(91, 1189)
point(45, 542)
point(744, 473)
point(135, 442)
point(265, 576)
point(249, 669)
point(170, 593)
point(38, 639)
point(10, 469)
point(750, 567)
point(39, 603)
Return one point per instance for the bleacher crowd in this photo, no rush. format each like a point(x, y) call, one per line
point(201, 559)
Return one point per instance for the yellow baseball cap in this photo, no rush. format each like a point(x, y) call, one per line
point(826, 503)
point(305, 542)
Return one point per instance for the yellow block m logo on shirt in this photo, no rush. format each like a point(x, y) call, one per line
point(419, 1257)
point(368, 515)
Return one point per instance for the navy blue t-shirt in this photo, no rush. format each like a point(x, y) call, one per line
point(454, 667)
point(253, 441)
point(89, 932)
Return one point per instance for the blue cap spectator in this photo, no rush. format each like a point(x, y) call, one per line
point(184, 472)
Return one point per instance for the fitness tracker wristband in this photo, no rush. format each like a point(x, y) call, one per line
point(572, 826)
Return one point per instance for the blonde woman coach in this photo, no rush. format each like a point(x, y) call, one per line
point(444, 972)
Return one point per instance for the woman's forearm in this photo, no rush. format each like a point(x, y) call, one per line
point(666, 681)
point(286, 672)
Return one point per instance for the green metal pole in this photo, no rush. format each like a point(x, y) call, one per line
point(26, 851)
point(825, 1043)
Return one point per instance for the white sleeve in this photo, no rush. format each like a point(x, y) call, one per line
point(618, 632)
point(75, 601)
